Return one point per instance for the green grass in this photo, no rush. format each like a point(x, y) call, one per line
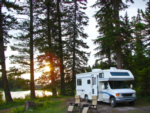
point(16, 102)
point(48, 105)
point(45, 104)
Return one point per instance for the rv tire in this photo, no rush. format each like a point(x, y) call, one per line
point(113, 102)
point(86, 98)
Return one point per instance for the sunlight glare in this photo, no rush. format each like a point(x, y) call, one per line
point(47, 68)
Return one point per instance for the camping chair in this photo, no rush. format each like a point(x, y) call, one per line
point(94, 103)
point(70, 109)
point(76, 104)
point(85, 109)
point(77, 101)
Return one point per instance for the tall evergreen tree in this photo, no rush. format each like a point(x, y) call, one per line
point(5, 26)
point(146, 19)
point(25, 45)
point(47, 41)
point(32, 86)
point(60, 49)
point(105, 40)
point(127, 46)
point(75, 19)
point(116, 6)
point(141, 62)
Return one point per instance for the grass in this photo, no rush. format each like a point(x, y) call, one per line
point(45, 104)
point(48, 106)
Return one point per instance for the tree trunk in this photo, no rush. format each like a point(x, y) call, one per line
point(2, 63)
point(74, 44)
point(118, 38)
point(32, 88)
point(61, 52)
point(109, 58)
point(52, 76)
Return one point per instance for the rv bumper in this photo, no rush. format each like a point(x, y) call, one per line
point(121, 100)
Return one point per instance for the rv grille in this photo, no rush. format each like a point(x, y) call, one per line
point(127, 95)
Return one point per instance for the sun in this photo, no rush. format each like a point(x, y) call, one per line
point(47, 68)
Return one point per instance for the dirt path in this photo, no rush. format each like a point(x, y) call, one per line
point(121, 108)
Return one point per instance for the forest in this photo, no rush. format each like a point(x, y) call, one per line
point(51, 33)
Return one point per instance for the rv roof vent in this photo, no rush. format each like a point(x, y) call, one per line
point(113, 68)
point(96, 70)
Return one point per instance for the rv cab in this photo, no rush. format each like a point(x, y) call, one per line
point(108, 85)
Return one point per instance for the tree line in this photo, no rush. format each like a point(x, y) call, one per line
point(52, 28)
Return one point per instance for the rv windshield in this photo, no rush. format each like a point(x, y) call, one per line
point(117, 85)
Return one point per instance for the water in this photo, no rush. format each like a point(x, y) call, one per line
point(22, 94)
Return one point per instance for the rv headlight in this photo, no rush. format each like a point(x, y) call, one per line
point(134, 95)
point(118, 95)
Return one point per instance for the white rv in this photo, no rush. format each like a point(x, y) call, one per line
point(108, 85)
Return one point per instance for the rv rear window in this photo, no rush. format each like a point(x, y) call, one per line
point(79, 82)
point(119, 73)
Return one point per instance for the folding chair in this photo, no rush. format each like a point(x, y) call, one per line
point(76, 104)
point(70, 109)
point(77, 101)
point(94, 103)
point(85, 109)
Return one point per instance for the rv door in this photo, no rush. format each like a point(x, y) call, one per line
point(94, 85)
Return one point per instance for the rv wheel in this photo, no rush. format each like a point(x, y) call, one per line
point(113, 102)
point(86, 98)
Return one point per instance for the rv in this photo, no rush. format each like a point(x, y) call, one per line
point(108, 85)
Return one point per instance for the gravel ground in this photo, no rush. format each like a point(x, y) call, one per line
point(120, 108)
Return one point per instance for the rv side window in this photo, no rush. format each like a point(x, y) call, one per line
point(93, 80)
point(79, 82)
point(92, 91)
point(88, 81)
point(101, 75)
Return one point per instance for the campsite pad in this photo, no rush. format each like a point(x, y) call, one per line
point(121, 108)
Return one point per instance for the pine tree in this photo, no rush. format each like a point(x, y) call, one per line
point(106, 36)
point(116, 6)
point(74, 57)
point(60, 49)
point(5, 26)
point(32, 86)
point(25, 45)
point(140, 58)
point(142, 51)
point(127, 47)
point(47, 42)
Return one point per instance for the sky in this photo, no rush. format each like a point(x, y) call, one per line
point(91, 29)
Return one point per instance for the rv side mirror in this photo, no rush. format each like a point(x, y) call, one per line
point(131, 86)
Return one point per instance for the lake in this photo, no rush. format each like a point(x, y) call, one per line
point(22, 94)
